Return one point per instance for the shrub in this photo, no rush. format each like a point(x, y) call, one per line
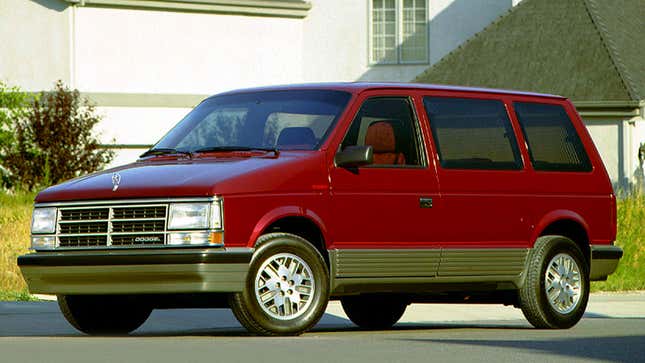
point(12, 106)
point(54, 140)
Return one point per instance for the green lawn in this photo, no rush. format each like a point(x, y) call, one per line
point(630, 274)
point(15, 216)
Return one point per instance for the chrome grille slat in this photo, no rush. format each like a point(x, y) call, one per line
point(83, 227)
point(112, 225)
point(139, 219)
point(138, 226)
point(84, 214)
point(82, 220)
point(82, 241)
point(139, 212)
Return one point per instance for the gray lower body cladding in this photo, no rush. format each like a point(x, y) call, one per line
point(416, 270)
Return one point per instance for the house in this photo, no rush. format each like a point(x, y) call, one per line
point(591, 51)
point(146, 63)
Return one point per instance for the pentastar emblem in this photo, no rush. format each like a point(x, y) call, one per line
point(116, 180)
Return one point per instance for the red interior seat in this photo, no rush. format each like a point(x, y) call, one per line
point(380, 135)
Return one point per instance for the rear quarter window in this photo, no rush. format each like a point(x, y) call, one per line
point(553, 143)
point(472, 133)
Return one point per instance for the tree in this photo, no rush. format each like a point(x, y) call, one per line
point(54, 140)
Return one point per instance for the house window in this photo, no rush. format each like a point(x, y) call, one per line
point(399, 31)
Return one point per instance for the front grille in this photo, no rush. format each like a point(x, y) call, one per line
point(120, 225)
point(139, 226)
point(139, 212)
point(82, 241)
point(84, 214)
point(83, 227)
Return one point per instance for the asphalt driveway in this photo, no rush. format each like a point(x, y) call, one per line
point(613, 330)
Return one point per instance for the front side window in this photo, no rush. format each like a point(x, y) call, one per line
point(472, 134)
point(399, 32)
point(285, 120)
point(389, 126)
point(554, 144)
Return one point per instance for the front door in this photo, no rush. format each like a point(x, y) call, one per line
point(382, 214)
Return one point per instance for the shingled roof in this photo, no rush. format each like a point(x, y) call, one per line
point(587, 50)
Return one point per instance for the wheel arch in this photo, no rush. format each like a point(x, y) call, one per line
point(568, 224)
point(300, 221)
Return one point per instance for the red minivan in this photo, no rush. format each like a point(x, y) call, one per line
point(272, 201)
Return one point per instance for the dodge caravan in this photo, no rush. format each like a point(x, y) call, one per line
point(272, 201)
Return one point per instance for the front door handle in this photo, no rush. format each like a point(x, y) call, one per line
point(425, 202)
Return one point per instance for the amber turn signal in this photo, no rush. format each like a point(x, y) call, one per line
point(216, 238)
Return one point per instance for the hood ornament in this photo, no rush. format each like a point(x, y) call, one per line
point(116, 180)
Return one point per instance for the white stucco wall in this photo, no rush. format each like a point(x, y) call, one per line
point(34, 43)
point(617, 141)
point(335, 41)
point(143, 51)
point(637, 139)
point(606, 135)
point(123, 50)
point(136, 125)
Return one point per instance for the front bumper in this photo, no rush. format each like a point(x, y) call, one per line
point(604, 260)
point(150, 271)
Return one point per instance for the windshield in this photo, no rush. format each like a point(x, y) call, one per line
point(280, 120)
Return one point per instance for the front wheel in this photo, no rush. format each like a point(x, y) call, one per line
point(556, 287)
point(104, 314)
point(287, 287)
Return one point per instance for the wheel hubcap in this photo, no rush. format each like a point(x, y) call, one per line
point(562, 283)
point(284, 286)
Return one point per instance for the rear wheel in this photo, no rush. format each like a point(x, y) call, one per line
point(374, 312)
point(556, 287)
point(104, 315)
point(287, 287)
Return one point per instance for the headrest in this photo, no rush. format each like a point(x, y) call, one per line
point(297, 136)
point(380, 135)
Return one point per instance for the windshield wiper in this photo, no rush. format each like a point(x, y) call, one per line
point(165, 151)
point(237, 148)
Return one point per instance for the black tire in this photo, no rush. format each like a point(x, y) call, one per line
point(253, 316)
point(534, 301)
point(374, 312)
point(104, 314)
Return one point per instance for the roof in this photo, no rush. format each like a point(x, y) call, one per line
point(357, 87)
point(586, 50)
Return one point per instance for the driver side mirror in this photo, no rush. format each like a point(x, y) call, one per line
point(353, 156)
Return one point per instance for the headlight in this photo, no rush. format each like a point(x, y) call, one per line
point(43, 220)
point(194, 216)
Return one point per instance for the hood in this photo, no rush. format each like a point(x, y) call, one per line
point(168, 177)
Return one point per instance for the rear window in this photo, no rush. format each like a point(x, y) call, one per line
point(554, 144)
point(472, 134)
